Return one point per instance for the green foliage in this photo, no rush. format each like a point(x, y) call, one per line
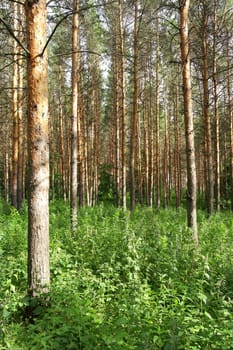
point(123, 282)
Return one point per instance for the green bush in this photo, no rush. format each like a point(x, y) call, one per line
point(122, 282)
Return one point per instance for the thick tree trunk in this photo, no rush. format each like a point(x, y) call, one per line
point(38, 149)
point(188, 118)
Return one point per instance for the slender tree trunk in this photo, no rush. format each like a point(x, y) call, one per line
point(166, 150)
point(216, 114)
point(20, 117)
point(207, 121)
point(139, 160)
point(177, 165)
point(38, 149)
point(80, 134)
point(135, 110)
point(61, 144)
point(157, 121)
point(188, 117)
point(52, 153)
point(123, 106)
point(6, 163)
point(230, 113)
point(96, 137)
point(146, 144)
point(15, 144)
point(151, 140)
point(74, 120)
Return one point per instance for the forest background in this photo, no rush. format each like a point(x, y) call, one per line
point(117, 134)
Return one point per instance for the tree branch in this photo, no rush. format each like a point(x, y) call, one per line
point(13, 35)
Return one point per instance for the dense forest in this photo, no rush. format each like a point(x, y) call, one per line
point(116, 164)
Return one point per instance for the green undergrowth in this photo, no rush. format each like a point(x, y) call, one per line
point(122, 282)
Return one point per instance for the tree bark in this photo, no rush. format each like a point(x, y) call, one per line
point(20, 187)
point(15, 143)
point(38, 149)
point(157, 121)
point(135, 110)
point(74, 120)
point(188, 118)
point(123, 106)
point(207, 120)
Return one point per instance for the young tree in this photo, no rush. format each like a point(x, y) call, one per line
point(188, 118)
point(38, 149)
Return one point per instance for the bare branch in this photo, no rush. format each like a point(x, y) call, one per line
point(11, 32)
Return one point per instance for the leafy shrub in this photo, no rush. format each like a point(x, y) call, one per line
point(122, 282)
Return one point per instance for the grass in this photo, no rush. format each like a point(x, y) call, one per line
point(122, 282)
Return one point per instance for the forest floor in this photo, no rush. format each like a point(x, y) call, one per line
point(123, 282)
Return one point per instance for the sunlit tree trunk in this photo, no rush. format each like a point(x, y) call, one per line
point(38, 149)
point(151, 140)
point(96, 137)
point(20, 187)
point(117, 126)
point(123, 106)
point(74, 120)
point(188, 118)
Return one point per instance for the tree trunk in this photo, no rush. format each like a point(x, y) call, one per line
point(157, 121)
point(207, 121)
point(74, 120)
point(216, 114)
point(230, 113)
point(151, 140)
point(123, 106)
point(15, 143)
point(20, 117)
point(177, 165)
point(38, 149)
point(135, 111)
point(188, 118)
point(116, 124)
point(166, 150)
